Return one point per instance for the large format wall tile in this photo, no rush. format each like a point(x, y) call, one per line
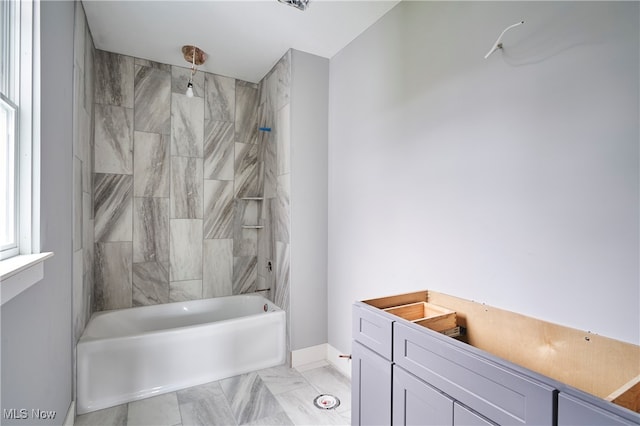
point(152, 100)
point(151, 164)
point(180, 291)
point(150, 230)
point(281, 297)
point(187, 126)
point(281, 210)
point(244, 274)
point(152, 64)
point(113, 206)
point(218, 268)
point(150, 283)
point(185, 249)
point(113, 139)
point(113, 276)
point(114, 79)
point(246, 112)
point(283, 140)
point(218, 150)
point(245, 240)
point(220, 98)
point(180, 79)
point(186, 188)
point(246, 173)
point(77, 203)
point(218, 209)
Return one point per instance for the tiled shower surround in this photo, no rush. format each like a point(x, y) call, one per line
point(176, 179)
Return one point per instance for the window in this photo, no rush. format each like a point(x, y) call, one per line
point(16, 127)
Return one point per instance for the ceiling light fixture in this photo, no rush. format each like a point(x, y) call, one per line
point(195, 57)
point(298, 4)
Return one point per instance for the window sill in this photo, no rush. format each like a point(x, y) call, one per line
point(19, 273)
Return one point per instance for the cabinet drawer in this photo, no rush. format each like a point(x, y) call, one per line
point(576, 411)
point(496, 392)
point(372, 330)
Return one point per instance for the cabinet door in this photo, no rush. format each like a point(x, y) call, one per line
point(417, 403)
point(575, 411)
point(482, 383)
point(370, 387)
point(462, 416)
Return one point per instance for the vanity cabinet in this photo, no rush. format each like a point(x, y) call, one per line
point(500, 368)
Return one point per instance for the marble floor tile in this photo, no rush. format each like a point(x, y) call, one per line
point(312, 366)
point(298, 404)
point(114, 416)
point(280, 419)
point(220, 98)
point(282, 379)
point(249, 397)
point(161, 410)
point(205, 405)
point(327, 379)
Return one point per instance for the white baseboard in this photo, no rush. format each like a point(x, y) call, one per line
point(70, 419)
point(323, 352)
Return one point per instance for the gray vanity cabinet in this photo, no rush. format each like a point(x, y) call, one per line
point(371, 378)
point(463, 416)
point(404, 373)
point(490, 388)
point(577, 411)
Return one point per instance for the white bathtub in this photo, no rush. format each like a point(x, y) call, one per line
point(130, 354)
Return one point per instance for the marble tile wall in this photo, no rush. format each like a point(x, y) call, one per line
point(82, 180)
point(83, 168)
point(176, 180)
point(273, 157)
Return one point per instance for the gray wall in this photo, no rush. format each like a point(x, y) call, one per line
point(512, 180)
point(36, 325)
point(309, 136)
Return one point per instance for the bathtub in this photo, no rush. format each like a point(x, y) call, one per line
point(135, 353)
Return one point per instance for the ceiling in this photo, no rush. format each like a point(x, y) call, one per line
point(242, 38)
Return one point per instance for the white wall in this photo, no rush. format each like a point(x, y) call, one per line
point(513, 180)
point(36, 325)
point(309, 135)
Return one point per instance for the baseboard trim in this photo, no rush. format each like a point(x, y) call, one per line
point(70, 418)
point(322, 352)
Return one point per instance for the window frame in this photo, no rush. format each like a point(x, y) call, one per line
point(19, 88)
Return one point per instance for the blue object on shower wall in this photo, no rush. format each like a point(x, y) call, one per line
point(264, 129)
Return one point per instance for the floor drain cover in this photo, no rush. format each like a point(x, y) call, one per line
point(326, 402)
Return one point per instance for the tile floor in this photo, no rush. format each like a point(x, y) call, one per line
point(274, 396)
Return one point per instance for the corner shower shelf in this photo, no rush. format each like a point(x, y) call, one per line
point(252, 198)
point(252, 226)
